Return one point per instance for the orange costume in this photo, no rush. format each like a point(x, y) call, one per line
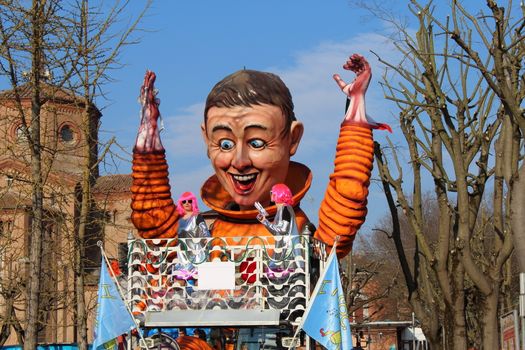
point(192, 343)
point(342, 211)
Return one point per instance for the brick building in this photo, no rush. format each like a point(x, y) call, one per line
point(63, 146)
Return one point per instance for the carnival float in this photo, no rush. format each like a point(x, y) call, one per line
point(246, 277)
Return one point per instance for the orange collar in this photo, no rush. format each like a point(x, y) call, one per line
point(298, 179)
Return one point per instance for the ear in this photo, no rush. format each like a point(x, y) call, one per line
point(296, 132)
point(205, 138)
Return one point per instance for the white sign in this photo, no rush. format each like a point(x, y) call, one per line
point(509, 331)
point(216, 275)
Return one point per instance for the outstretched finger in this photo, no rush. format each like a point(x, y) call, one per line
point(147, 88)
point(342, 84)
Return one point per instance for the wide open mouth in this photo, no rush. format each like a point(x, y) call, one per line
point(243, 184)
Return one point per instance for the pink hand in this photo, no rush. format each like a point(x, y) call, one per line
point(356, 113)
point(359, 65)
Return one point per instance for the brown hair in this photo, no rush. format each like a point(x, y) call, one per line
point(250, 87)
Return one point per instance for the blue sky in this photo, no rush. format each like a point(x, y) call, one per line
point(191, 45)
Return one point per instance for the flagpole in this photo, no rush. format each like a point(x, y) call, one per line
point(299, 327)
point(112, 275)
point(295, 335)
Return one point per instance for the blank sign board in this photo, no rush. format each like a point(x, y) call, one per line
point(216, 275)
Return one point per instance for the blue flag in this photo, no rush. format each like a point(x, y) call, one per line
point(326, 317)
point(112, 316)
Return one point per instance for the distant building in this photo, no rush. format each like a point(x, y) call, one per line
point(63, 145)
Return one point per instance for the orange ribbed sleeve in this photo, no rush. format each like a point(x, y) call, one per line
point(343, 209)
point(153, 212)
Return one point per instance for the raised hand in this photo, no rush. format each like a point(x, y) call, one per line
point(260, 217)
point(356, 112)
point(359, 65)
point(148, 137)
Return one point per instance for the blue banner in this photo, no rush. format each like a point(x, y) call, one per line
point(112, 316)
point(326, 317)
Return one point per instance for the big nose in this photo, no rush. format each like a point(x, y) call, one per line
point(241, 159)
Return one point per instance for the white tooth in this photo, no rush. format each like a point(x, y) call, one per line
point(244, 177)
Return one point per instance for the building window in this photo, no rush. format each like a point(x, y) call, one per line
point(6, 226)
point(21, 134)
point(66, 133)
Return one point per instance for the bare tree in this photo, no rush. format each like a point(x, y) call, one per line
point(374, 273)
point(99, 46)
point(24, 34)
point(459, 92)
point(48, 47)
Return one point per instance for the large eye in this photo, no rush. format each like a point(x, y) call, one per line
point(257, 143)
point(226, 144)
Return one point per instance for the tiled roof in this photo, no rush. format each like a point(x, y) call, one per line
point(113, 183)
point(49, 92)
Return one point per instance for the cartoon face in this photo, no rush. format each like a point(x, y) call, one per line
point(250, 150)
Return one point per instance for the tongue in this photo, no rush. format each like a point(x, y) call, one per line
point(244, 186)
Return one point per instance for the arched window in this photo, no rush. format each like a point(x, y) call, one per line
point(66, 134)
point(20, 133)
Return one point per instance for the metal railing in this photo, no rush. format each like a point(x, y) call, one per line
point(267, 273)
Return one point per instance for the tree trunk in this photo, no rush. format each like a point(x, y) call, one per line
point(81, 314)
point(85, 206)
point(517, 208)
point(490, 321)
point(429, 324)
point(35, 250)
point(459, 332)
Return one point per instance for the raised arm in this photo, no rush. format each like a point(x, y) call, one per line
point(280, 227)
point(154, 213)
point(343, 209)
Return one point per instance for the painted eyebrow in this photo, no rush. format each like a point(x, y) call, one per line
point(228, 128)
point(221, 127)
point(255, 126)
